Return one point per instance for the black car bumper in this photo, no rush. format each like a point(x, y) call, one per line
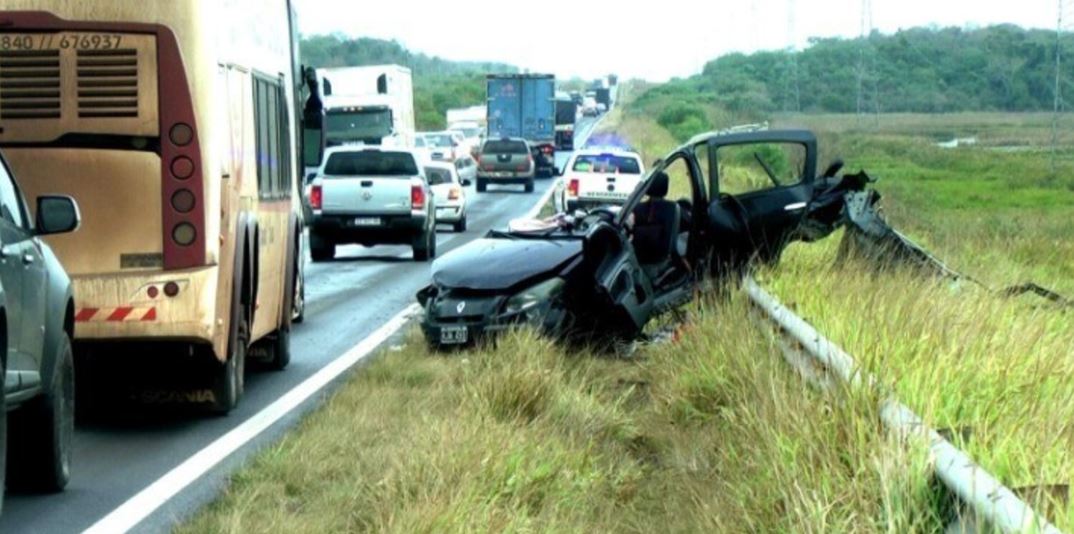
point(462, 320)
point(390, 229)
point(518, 179)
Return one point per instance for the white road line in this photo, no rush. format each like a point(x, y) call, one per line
point(145, 502)
point(141, 505)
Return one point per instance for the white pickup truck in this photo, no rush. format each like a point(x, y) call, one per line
point(371, 196)
point(599, 177)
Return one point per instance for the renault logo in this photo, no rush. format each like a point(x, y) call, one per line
point(460, 306)
point(366, 196)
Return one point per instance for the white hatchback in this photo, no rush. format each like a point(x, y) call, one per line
point(449, 193)
point(599, 177)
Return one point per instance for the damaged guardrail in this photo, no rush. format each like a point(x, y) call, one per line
point(989, 498)
point(869, 234)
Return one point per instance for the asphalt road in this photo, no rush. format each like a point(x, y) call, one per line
point(347, 299)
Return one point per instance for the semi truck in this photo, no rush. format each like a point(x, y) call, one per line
point(371, 105)
point(566, 114)
point(603, 96)
point(523, 106)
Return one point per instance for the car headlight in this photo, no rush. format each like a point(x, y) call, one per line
point(534, 296)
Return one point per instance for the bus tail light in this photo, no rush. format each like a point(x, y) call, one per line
point(572, 187)
point(184, 234)
point(316, 197)
point(417, 196)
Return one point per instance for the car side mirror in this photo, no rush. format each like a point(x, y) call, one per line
point(467, 181)
point(57, 215)
point(559, 171)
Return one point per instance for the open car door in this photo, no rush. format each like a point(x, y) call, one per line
point(762, 184)
point(620, 280)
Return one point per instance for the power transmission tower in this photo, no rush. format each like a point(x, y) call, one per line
point(863, 42)
point(794, 93)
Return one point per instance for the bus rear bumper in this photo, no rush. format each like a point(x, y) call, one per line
point(164, 305)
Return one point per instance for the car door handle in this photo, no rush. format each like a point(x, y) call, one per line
point(27, 259)
point(794, 207)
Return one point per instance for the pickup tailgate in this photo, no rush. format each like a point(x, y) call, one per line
point(365, 195)
point(368, 182)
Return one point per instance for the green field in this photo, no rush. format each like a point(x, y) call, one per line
point(713, 432)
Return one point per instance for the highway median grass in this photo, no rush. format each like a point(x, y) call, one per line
point(707, 433)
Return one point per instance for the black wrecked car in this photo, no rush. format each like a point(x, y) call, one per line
point(710, 207)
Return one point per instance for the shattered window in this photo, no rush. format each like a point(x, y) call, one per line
point(759, 166)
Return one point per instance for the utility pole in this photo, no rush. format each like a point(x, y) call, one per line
point(862, 41)
point(1057, 92)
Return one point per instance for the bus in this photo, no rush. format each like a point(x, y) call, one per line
point(173, 124)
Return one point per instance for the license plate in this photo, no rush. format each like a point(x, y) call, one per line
point(367, 221)
point(62, 41)
point(454, 335)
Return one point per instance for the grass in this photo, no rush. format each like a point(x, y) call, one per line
point(709, 433)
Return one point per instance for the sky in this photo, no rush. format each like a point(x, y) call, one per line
point(653, 40)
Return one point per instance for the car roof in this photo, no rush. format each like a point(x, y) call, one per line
point(438, 165)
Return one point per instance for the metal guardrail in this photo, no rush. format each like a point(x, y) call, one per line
point(989, 498)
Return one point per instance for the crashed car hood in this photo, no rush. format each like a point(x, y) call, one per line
point(500, 263)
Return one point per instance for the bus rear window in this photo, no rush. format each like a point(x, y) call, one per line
point(504, 147)
point(371, 163)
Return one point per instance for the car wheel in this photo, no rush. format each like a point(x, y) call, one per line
point(529, 186)
point(41, 456)
point(279, 349)
point(321, 249)
point(460, 226)
point(229, 377)
point(298, 303)
point(481, 185)
point(421, 248)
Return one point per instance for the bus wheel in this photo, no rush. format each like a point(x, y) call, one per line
point(298, 303)
point(46, 426)
point(279, 349)
point(229, 377)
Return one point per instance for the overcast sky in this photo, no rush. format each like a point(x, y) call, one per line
point(650, 39)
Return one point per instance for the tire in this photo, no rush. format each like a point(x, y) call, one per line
point(529, 186)
point(229, 377)
point(298, 302)
point(421, 248)
point(279, 349)
point(40, 459)
point(3, 439)
point(481, 185)
point(460, 226)
point(321, 249)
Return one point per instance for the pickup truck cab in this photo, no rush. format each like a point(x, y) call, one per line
point(36, 327)
point(371, 196)
point(600, 177)
point(506, 161)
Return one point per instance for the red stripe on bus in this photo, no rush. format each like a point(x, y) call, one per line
point(150, 315)
point(85, 314)
point(120, 314)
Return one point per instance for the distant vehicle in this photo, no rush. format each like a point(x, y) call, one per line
point(506, 161)
point(589, 107)
point(368, 105)
point(603, 96)
point(601, 107)
point(185, 161)
point(450, 196)
point(613, 80)
point(523, 106)
point(37, 308)
point(566, 114)
point(467, 169)
point(470, 115)
point(371, 196)
point(595, 177)
point(443, 146)
point(472, 135)
point(577, 98)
